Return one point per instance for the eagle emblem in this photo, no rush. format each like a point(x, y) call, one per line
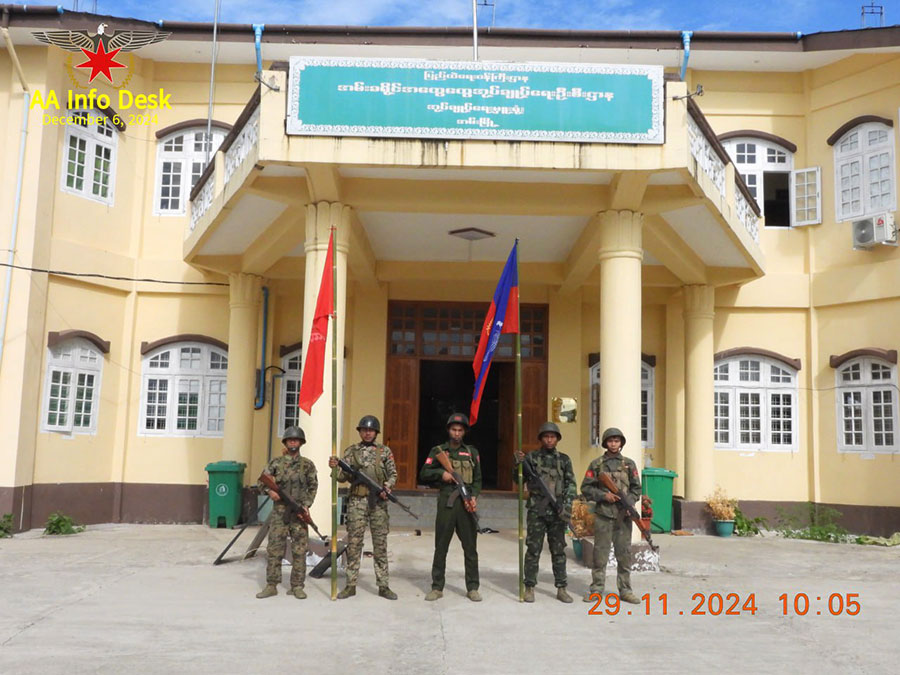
point(100, 47)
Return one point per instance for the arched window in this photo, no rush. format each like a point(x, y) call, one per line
point(89, 156)
point(867, 405)
point(864, 180)
point(180, 160)
point(290, 388)
point(648, 415)
point(183, 393)
point(72, 387)
point(754, 404)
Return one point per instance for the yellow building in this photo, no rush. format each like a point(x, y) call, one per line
point(723, 287)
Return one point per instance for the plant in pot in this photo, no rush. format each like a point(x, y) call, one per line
point(722, 507)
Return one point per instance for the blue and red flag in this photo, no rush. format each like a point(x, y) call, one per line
point(502, 317)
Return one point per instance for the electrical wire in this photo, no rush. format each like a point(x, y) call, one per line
point(95, 275)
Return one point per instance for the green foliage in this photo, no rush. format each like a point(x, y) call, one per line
point(6, 525)
point(817, 523)
point(59, 523)
point(748, 527)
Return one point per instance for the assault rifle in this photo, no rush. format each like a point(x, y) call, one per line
point(292, 506)
point(623, 503)
point(534, 479)
point(359, 476)
point(462, 490)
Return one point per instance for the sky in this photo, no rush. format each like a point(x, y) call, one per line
point(807, 16)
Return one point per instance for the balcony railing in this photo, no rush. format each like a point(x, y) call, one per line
point(712, 159)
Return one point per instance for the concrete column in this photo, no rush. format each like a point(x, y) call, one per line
point(320, 217)
point(675, 391)
point(243, 320)
point(620, 326)
point(699, 310)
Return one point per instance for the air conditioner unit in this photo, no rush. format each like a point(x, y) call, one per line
point(877, 229)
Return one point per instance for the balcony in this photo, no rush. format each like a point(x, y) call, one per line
point(701, 223)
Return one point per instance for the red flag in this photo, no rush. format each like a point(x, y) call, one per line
point(311, 383)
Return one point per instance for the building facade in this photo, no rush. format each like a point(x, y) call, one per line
point(727, 296)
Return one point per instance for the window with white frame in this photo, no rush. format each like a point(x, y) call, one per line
point(180, 160)
point(867, 406)
point(184, 390)
point(864, 180)
point(290, 389)
point(754, 404)
point(647, 405)
point(89, 156)
point(72, 387)
point(786, 197)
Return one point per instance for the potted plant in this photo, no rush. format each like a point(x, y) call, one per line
point(722, 507)
point(646, 511)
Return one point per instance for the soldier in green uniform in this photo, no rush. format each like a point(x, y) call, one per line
point(555, 468)
point(612, 524)
point(376, 461)
point(296, 476)
point(451, 514)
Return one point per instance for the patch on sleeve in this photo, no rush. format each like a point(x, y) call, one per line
point(428, 461)
point(589, 474)
point(634, 473)
point(464, 454)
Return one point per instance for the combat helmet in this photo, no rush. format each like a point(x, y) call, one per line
point(549, 428)
point(293, 432)
point(458, 418)
point(609, 433)
point(369, 422)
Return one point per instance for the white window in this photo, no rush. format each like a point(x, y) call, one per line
point(864, 182)
point(648, 415)
point(290, 389)
point(867, 406)
point(184, 388)
point(89, 156)
point(180, 160)
point(754, 404)
point(72, 387)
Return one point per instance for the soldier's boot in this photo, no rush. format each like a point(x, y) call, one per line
point(593, 596)
point(474, 595)
point(268, 591)
point(298, 592)
point(629, 597)
point(434, 594)
point(529, 594)
point(348, 592)
point(386, 593)
point(562, 595)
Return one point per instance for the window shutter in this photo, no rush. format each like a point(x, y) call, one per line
point(806, 197)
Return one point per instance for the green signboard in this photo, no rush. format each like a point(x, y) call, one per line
point(479, 100)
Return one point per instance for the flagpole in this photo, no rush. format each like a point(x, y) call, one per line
point(519, 439)
point(334, 417)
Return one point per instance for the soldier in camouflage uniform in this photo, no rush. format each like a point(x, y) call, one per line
point(465, 461)
point(376, 461)
point(555, 468)
point(612, 524)
point(296, 476)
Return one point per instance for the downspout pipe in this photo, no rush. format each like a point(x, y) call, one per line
point(686, 42)
point(261, 381)
point(258, 29)
point(17, 200)
point(275, 377)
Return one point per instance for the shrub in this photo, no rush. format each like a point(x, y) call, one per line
point(6, 525)
point(748, 527)
point(813, 522)
point(59, 523)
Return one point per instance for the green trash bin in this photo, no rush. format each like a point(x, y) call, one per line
point(657, 484)
point(226, 483)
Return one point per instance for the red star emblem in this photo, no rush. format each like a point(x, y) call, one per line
point(101, 62)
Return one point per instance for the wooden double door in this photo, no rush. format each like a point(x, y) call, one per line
point(429, 376)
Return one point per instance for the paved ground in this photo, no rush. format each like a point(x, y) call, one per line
point(146, 599)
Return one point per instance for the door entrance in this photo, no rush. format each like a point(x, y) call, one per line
point(445, 387)
point(429, 376)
